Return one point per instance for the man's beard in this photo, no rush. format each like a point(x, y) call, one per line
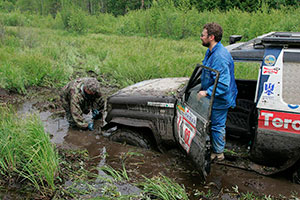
point(207, 44)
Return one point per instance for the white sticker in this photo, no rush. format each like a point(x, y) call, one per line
point(160, 104)
point(186, 135)
point(190, 117)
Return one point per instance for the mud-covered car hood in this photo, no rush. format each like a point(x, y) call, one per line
point(154, 87)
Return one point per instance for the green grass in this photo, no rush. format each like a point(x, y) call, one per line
point(162, 187)
point(26, 154)
point(50, 58)
point(38, 57)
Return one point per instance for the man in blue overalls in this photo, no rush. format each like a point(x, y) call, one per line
point(218, 58)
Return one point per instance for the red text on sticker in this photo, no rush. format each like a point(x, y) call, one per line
point(279, 121)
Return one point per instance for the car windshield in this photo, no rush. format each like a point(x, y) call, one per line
point(200, 106)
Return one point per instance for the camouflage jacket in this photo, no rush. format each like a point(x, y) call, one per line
point(77, 103)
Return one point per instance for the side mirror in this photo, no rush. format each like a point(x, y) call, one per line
point(234, 38)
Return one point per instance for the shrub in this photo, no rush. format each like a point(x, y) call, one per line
point(74, 19)
point(77, 21)
point(14, 19)
point(6, 6)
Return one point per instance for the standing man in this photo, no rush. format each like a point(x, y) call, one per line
point(79, 97)
point(218, 58)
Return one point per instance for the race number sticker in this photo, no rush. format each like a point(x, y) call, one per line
point(188, 133)
point(186, 130)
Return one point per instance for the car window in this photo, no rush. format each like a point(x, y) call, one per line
point(246, 70)
point(200, 106)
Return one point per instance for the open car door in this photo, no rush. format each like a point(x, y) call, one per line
point(192, 128)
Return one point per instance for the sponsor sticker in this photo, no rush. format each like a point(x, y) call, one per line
point(269, 89)
point(181, 108)
point(279, 121)
point(270, 60)
point(186, 127)
point(188, 134)
point(190, 117)
point(270, 70)
point(160, 104)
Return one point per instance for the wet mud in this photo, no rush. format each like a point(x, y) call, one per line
point(222, 181)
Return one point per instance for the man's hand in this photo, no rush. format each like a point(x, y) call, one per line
point(96, 114)
point(201, 94)
point(91, 126)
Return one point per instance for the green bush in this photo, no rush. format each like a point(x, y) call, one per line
point(77, 21)
point(14, 19)
point(74, 19)
point(6, 6)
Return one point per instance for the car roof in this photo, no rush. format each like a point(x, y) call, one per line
point(254, 49)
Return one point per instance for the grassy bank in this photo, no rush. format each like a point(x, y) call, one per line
point(26, 153)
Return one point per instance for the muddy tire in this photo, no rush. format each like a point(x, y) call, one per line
point(296, 176)
point(131, 137)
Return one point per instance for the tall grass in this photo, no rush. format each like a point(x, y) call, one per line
point(162, 41)
point(52, 57)
point(28, 59)
point(162, 187)
point(26, 151)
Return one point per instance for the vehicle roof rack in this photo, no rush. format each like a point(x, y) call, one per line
point(280, 39)
point(254, 50)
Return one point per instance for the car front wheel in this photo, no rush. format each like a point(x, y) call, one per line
point(131, 137)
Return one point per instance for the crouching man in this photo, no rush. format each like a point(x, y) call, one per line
point(79, 97)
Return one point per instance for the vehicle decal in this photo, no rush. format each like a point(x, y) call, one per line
point(190, 117)
point(188, 135)
point(160, 104)
point(292, 106)
point(186, 127)
point(269, 89)
point(270, 78)
point(270, 60)
point(270, 70)
point(180, 107)
point(179, 121)
point(279, 121)
point(269, 64)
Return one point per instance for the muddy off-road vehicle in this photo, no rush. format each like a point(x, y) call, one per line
point(263, 131)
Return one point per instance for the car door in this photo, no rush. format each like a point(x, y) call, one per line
point(192, 121)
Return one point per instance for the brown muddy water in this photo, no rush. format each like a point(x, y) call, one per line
point(221, 181)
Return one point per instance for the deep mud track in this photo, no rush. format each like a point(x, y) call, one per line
point(222, 182)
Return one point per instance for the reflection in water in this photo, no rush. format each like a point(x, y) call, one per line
point(171, 164)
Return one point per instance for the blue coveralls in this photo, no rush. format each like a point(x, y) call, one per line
point(219, 59)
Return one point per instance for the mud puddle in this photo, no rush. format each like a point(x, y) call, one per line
point(222, 181)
